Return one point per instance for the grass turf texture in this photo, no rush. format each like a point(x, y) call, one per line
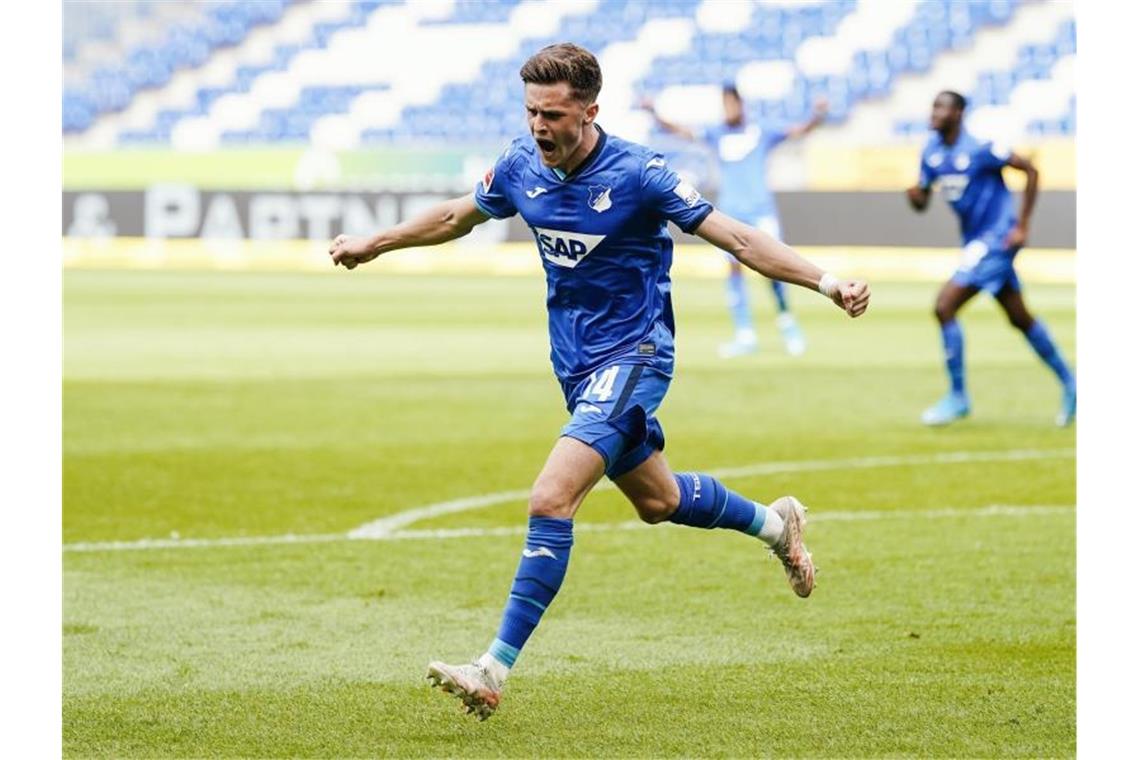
point(220, 405)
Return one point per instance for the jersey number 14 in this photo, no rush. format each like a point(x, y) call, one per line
point(601, 386)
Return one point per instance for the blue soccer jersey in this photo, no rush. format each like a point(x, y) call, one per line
point(742, 156)
point(968, 174)
point(601, 235)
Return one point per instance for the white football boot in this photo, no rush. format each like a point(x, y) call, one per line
point(790, 546)
point(743, 342)
point(477, 688)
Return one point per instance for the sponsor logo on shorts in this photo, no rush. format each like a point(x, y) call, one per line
point(646, 349)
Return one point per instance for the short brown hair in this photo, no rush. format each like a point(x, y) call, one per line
point(565, 62)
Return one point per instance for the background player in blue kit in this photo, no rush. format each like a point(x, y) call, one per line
point(742, 150)
point(968, 172)
point(598, 207)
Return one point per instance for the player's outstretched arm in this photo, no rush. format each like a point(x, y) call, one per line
point(449, 220)
point(763, 253)
point(818, 115)
point(676, 129)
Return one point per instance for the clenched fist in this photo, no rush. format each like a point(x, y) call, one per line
point(349, 251)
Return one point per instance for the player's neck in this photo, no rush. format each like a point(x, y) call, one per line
point(589, 140)
point(950, 136)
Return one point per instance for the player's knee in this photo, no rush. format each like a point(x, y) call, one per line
point(653, 511)
point(658, 507)
point(1022, 322)
point(546, 501)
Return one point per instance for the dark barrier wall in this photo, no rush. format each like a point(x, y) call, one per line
point(808, 218)
point(887, 219)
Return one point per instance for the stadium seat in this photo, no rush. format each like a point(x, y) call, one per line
point(307, 71)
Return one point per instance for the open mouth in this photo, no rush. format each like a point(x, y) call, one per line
point(546, 146)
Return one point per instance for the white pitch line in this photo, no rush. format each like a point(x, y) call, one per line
point(387, 525)
point(994, 510)
point(202, 543)
point(390, 528)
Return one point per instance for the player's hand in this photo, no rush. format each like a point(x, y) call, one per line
point(1016, 237)
point(917, 197)
point(820, 107)
point(646, 104)
point(348, 251)
point(853, 296)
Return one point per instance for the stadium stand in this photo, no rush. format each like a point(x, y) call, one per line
point(113, 51)
point(375, 72)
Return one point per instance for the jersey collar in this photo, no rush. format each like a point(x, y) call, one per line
point(589, 159)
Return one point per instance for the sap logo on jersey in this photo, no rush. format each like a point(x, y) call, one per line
point(953, 186)
point(566, 249)
point(736, 147)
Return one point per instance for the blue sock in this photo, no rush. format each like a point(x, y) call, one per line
point(1042, 342)
point(738, 301)
point(781, 292)
point(706, 503)
point(541, 570)
point(954, 345)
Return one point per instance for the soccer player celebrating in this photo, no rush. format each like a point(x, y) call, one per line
point(597, 206)
point(742, 154)
point(968, 171)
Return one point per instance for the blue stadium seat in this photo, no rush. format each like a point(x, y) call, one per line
point(772, 33)
point(183, 44)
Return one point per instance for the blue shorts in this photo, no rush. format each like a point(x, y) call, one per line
point(987, 265)
point(612, 412)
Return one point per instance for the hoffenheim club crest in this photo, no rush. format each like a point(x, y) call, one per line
point(599, 198)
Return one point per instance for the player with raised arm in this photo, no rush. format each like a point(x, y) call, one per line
point(597, 206)
point(742, 151)
point(968, 173)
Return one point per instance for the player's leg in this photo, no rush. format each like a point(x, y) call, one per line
point(736, 292)
point(794, 341)
point(1011, 301)
point(955, 404)
point(570, 472)
point(701, 501)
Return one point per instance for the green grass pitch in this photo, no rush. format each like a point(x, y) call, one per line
point(210, 406)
